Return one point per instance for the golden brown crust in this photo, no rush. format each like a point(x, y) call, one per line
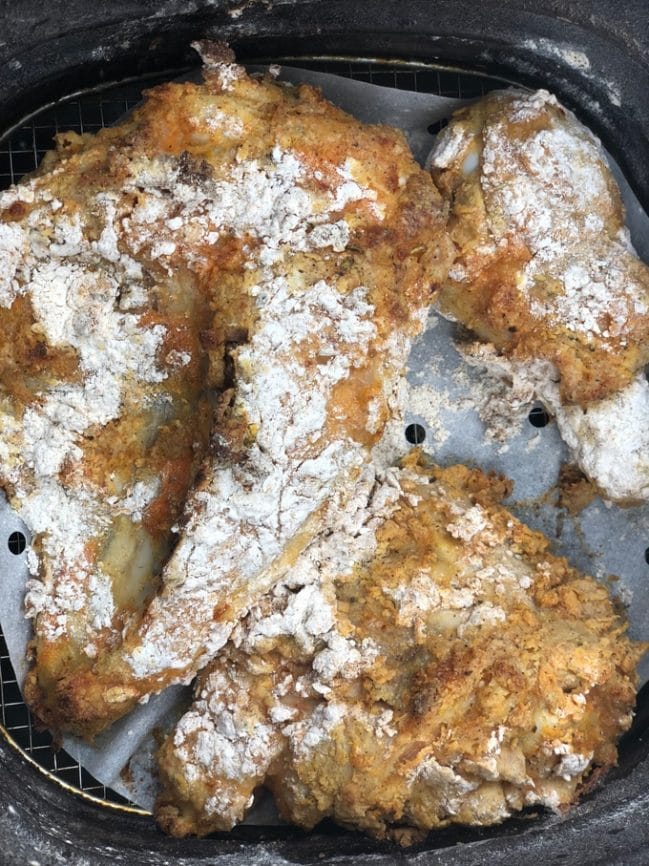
point(159, 438)
point(164, 170)
point(467, 673)
point(544, 269)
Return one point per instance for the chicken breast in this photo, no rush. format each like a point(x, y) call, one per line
point(317, 243)
point(546, 275)
point(426, 661)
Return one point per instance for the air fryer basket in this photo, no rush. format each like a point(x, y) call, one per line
point(597, 65)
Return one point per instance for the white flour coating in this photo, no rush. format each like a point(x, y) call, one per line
point(228, 740)
point(316, 732)
point(64, 519)
point(447, 784)
point(344, 658)
point(264, 200)
point(241, 521)
point(220, 121)
point(488, 577)
point(468, 524)
point(101, 605)
point(572, 765)
point(558, 182)
point(13, 243)
point(302, 719)
point(226, 71)
point(227, 74)
point(223, 735)
point(307, 734)
point(448, 145)
point(251, 511)
point(75, 306)
point(287, 415)
point(303, 608)
point(415, 599)
point(136, 500)
point(89, 310)
point(306, 615)
point(609, 440)
point(550, 188)
point(309, 616)
point(177, 359)
point(482, 614)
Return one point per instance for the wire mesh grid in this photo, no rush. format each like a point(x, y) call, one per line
point(23, 150)
point(20, 154)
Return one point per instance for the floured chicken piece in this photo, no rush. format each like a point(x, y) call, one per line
point(104, 412)
point(425, 661)
point(547, 277)
point(317, 243)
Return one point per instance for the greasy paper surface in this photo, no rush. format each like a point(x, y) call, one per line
point(603, 540)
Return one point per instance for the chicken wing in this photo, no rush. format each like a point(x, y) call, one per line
point(546, 275)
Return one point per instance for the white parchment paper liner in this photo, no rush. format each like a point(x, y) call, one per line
point(603, 540)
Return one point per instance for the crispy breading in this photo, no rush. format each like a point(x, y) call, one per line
point(317, 242)
point(426, 661)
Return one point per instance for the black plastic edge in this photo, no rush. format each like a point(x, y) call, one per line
point(595, 61)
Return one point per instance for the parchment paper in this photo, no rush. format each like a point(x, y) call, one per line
point(604, 540)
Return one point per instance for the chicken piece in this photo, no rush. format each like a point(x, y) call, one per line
point(546, 274)
point(318, 242)
point(426, 661)
point(104, 410)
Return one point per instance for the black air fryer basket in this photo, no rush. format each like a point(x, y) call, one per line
point(97, 57)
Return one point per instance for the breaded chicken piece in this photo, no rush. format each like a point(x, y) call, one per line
point(546, 274)
point(426, 661)
point(104, 410)
point(318, 242)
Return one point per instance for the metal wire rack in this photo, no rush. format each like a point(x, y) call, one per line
point(20, 154)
